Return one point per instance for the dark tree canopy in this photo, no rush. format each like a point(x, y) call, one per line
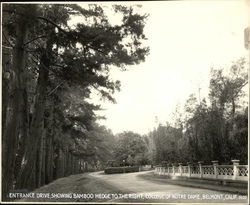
point(51, 69)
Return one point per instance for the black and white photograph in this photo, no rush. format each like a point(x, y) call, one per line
point(115, 102)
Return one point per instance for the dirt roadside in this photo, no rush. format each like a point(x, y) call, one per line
point(72, 189)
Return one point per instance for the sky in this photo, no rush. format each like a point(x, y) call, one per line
point(186, 39)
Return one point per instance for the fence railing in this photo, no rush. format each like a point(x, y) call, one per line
point(214, 171)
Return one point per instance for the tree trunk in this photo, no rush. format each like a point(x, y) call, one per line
point(39, 162)
point(57, 163)
point(77, 166)
point(51, 173)
point(48, 157)
point(23, 135)
point(64, 163)
point(67, 167)
point(43, 162)
point(36, 128)
point(6, 66)
point(48, 160)
point(60, 164)
point(233, 108)
point(10, 138)
point(72, 164)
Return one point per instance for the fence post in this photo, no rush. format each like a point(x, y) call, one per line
point(168, 169)
point(236, 169)
point(189, 169)
point(180, 168)
point(215, 164)
point(200, 167)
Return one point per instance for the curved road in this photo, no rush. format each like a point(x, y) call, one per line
point(129, 187)
point(163, 192)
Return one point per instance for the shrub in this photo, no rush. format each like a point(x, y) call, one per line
point(164, 163)
point(115, 170)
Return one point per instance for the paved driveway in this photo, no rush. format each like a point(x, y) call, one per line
point(149, 191)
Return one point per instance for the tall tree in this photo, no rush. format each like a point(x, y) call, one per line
point(226, 89)
point(16, 103)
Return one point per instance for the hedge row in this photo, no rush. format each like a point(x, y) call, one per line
point(114, 170)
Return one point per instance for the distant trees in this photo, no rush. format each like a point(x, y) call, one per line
point(131, 149)
point(50, 68)
point(226, 89)
point(214, 130)
point(165, 138)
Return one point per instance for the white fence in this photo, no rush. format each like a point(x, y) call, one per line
point(215, 171)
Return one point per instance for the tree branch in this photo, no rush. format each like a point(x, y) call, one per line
point(60, 66)
point(7, 47)
point(96, 49)
point(54, 24)
point(237, 92)
point(7, 40)
point(56, 88)
point(34, 40)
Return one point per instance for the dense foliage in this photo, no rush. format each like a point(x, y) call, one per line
point(130, 149)
point(213, 130)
